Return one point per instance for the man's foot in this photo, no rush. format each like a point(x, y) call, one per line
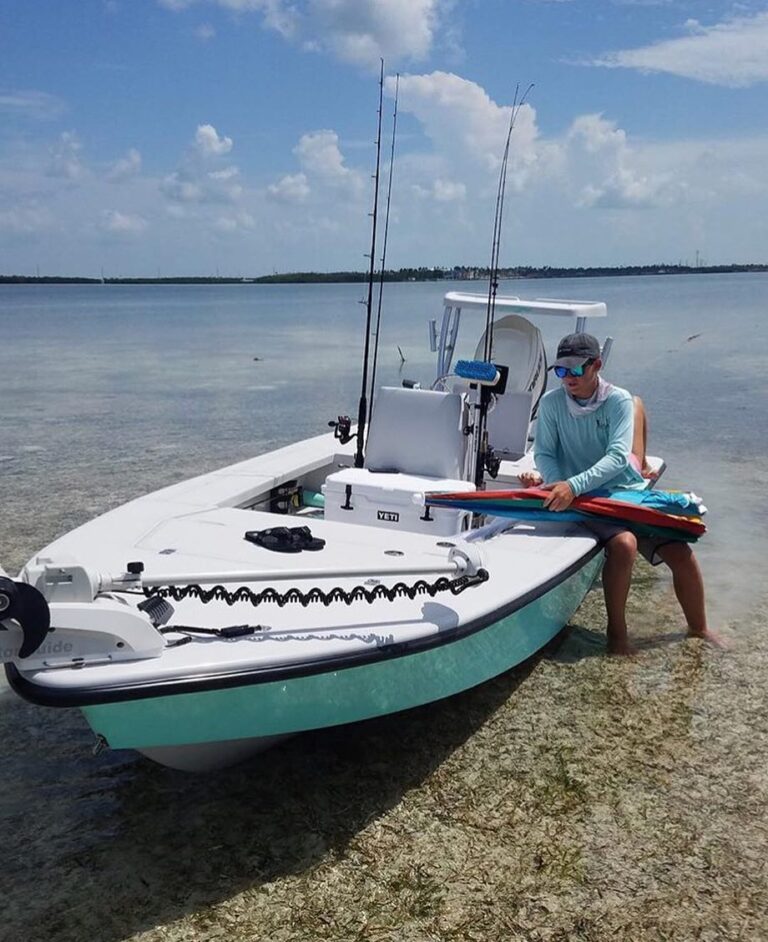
point(711, 637)
point(621, 649)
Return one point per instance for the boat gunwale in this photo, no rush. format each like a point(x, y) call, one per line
point(43, 695)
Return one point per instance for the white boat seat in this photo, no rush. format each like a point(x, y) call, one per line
point(416, 443)
point(508, 423)
point(518, 345)
point(417, 431)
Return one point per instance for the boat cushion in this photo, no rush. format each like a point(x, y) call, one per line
point(417, 431)
point(508, 423)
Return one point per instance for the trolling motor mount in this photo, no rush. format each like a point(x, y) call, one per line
point(24, 604)
point(342, 429)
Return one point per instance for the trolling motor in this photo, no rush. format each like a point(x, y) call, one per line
point(89, 625)
point(25, 605)
point(342, 429)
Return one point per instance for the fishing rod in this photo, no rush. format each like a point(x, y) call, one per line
point(362, 412)
point(493, 285)
point(386, 234)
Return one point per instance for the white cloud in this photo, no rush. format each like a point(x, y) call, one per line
point(205, 32)
point(592, 176)
point(356, 31)
point(461, 119)
point(31, 104)
point(176, 211)
point(593, 165)
point(319, 154)
point(280, 15)
point(603, 171)
point(65, 157)
point(234, 223)
point(183, 190)
point(26, 219)
point(189, 185)
point(593, 194)
point(228, 173)
point(324, 172)
point(122, 223)
point(442, 191)
point(292, 188)
point(208, 142)
point(363, 31)
point(324, 204)
point(447, 191)
point(126, 167)
point(193, 182)
point(732, 53)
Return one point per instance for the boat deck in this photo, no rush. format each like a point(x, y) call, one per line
point(523, 563)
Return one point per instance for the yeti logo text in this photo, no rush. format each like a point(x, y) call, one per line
point(388, 515)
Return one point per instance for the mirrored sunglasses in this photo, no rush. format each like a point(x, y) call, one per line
point(562, 371)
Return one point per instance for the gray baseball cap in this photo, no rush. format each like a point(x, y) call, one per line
point(576, 349)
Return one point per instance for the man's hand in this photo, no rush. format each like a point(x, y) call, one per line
point(561, 497)
point(530, 478)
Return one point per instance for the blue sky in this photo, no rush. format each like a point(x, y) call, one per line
point(195, 136)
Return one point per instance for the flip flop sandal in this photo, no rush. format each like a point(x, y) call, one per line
point(277, 539)
point(302, 537)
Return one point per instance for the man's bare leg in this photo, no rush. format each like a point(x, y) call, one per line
point(689, 589)
point(620, 553)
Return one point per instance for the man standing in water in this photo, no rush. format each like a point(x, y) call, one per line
point(583, 442)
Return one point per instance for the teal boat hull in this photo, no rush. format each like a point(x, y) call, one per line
point(266, 709)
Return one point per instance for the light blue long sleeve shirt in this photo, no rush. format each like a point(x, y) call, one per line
point(588, 451)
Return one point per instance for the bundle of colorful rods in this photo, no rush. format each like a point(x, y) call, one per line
point(672, 514)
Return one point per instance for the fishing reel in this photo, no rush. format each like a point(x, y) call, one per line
point(492, 463)
point(342, 429)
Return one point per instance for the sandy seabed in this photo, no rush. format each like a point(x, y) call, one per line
point(578, 797)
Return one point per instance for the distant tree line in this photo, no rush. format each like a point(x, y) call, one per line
point(547, 271)
point(45, 280)
point(306, 277)
point(459, 272)
point(73, 280)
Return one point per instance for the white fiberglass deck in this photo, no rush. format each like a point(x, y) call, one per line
point(181, 530)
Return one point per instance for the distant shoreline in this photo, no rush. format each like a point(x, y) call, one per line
point(461, 273)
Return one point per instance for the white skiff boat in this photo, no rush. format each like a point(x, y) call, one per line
point(295, 590)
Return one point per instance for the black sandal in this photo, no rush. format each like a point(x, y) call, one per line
point(302, 537)
point(277, 539)
point(285, 539)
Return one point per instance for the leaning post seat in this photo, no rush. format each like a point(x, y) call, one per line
point(416, 443)
point(518, 345)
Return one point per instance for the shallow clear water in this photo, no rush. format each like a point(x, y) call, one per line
point(109, 392)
